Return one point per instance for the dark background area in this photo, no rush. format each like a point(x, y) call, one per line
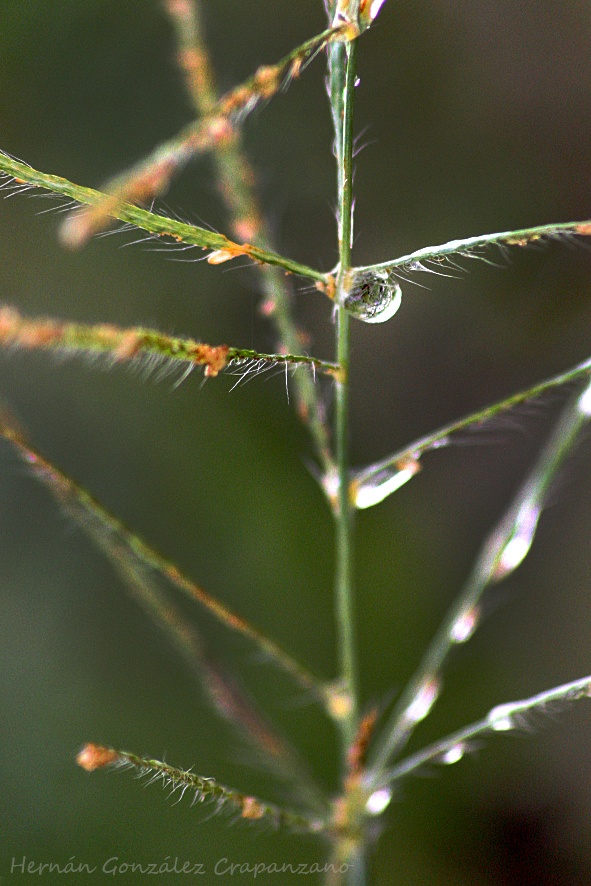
point(477, 118)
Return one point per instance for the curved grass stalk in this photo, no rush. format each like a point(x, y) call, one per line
point(503, 551)
point(228, 698)
point(121, 345)
point(158, 225)
point(103, 522)
point(469, 247)
point(203, 790)
point(236, 178)
point(374, 483)
point(152, 175)
point(502, 718)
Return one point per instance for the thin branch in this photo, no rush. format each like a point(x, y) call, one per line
point(502, 718)
point(503, 551)
point(229, 699)
point(74, 497)
point(374, 483)
point(121, 345)
point(159, 225)
point(236, 182)
point(470, 246)
point(202, 789)
point(152, 175)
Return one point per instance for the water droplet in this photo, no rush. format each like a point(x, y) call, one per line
point(585, 402)
point(423, 701)
point(380, 486)
point(464, 626)
point(372, 297)
point(501, 718)
point(520, 541)
point(378, 801)
point(454, 755)
point(330, 484)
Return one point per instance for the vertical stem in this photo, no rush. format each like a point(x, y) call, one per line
point(342, 82)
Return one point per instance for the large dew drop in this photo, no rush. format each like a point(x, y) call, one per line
point(373, 297)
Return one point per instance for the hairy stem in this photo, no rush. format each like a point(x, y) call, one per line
point(158, 225)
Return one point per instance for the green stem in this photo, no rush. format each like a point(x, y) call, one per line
point(503, 551)
point(470, 246)
point(380, 473)
point(343, 59)
point(158, 225)
point(120, 344)
point(502, 718)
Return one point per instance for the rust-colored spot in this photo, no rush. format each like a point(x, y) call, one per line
point(296, 67)
point(9, 323)
point(328, 286)
point(584, 229)
point(215, 358)
point(93, 756)
point(252, 809)
point(181, 8)
point(356, 754)
point(220, 131)
point(235, 100)
point(303, 410)
point(267, 80)
point(232, 250)
point(247, 228)
point(39, 335)
point(268, 307)
point(129, 345)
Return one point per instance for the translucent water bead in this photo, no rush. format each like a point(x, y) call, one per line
point(373, 297)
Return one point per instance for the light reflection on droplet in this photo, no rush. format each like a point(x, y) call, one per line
point(454, 755)
point(585, 402)
point(500, 718)
point(373, 491)
point(423, 701)
point(520, 542)
point(464, 626)
point(330, 484)
point(373, 297)
point(378, 801)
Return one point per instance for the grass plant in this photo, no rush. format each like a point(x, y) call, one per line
point(337, 805)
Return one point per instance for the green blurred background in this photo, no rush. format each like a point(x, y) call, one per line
point(476, 117)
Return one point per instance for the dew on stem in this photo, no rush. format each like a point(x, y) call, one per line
point(372, 296)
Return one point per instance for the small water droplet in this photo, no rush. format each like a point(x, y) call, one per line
point(423, 701)
point(520, 542)
point(585, 402)
point(501, 718)
point(378, 801)
point(380, 486)
point(330, 484)
point(454, 755)
point(373, 297)
point(464, 626)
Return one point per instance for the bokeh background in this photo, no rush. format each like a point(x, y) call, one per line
point(475, 117)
